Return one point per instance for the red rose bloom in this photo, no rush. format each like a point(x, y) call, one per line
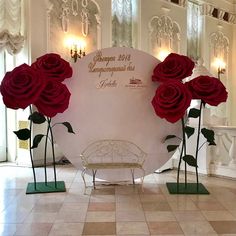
point(53, 66)
point(174, 67)
point(209, 89)
point(54, 99)
point(171, 101)
point(21, 87)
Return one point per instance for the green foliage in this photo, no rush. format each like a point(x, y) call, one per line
point(22, 134)
point(209, 135)
point(172, 148)
point(189, 131)
point(37, 118)
point(190, 160)
point(194, 113)
point(68, 126)
point(37, 140)
point(170, 137)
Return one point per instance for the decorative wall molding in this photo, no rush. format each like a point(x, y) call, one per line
point(215, 12)
point(65, 11)
point(181, 3)
point(164, 34)
point(84, 17)
point(219, 50)
point(220, 45)
point(78, 18)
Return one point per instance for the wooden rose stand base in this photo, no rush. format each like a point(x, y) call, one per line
point(188, 188)
point(49, 187)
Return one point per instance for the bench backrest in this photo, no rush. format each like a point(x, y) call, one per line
point(113, 151)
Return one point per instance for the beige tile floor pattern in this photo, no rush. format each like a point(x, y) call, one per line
point(114, 209)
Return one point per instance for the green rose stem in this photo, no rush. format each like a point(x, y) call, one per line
point(181, 154)
point(45, 156)
point(185, 169)
point(53, 153)
point(31, 155)
point(198, 137)
point(184, 145)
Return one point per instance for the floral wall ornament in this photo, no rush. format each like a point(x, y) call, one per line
point(220, 45)
point(164, 34)
point(76, 18)
point(75, 7)
point(40, 85)
point(65, 11)
point(85, 18)
point(171, 101)
point(85, 22)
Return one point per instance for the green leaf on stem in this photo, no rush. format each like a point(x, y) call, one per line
point(68, 126)
point(37, 140)
point(189, 131)
point(170, 137)
point(194, 113)
point(212, 143)
point(209, 135)
point(172, 148)
point(190, 160)
point(22, 134)
point(37, 118)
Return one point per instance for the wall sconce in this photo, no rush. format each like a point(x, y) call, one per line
point(220, 65)
point(75, 53)
point(77, 47)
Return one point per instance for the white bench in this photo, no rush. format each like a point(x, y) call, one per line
point(112, 154)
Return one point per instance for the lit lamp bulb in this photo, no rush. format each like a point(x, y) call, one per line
point(163, 54)
point(77, 47)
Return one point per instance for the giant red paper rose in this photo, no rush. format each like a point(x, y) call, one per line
point(174, 67)
point(53, 66)
point(171, 101)
point(21, 87)
point(209, 89)
point(54, 99)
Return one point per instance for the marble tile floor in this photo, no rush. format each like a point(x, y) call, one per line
point(114, 209)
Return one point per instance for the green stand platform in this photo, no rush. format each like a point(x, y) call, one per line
point(42, 187)
point(191, 188)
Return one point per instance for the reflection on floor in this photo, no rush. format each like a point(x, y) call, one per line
point(114, 209)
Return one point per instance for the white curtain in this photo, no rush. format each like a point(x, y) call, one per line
point(10, 26)
point(193, 30)
point(122, 23)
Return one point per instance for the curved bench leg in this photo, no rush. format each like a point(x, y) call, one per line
point(82, 174)
point(142, 178)
point(132, 173)
point(94, 176)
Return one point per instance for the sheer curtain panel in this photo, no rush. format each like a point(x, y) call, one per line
point(10, 26)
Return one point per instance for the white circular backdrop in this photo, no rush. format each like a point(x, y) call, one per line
point(111, 92)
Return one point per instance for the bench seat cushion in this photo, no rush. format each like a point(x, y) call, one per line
point(112, 165)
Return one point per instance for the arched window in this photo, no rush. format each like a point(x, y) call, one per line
point(124, 18)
